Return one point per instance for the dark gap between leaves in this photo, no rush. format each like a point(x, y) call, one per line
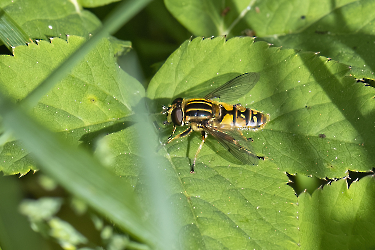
point(300, 183)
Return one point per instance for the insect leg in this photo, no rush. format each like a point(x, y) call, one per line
point(204, 136)
point(170, 137)
point(251, 140)
point(182, 134)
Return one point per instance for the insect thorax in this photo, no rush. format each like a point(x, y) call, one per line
point(199, 110)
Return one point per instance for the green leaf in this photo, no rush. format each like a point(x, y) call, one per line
point(41, 214)
point(120, 15)
point(67, 236)
point(120, 47)
point(91, 99)
point(338, 217)
point(306, 96)
point(43, 209)
point(219, 207)
point(57, 18)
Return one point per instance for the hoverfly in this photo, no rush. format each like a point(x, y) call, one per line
point(219, 119)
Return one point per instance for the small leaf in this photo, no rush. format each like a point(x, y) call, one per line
point(67, 236)
point(43, 209)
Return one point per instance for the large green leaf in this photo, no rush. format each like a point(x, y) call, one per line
point(306, 95)
point(90, 101)
point(321, 123)
point(337, 29)
point(219, 207)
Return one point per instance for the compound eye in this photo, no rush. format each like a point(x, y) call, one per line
point(177, 116)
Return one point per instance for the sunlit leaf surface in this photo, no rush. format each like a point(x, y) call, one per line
point(319, 117)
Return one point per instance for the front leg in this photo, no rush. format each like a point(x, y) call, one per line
point(182, 134)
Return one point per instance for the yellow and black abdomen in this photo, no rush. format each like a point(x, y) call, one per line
point(237, 116)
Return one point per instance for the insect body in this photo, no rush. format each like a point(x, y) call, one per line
point(223, 121)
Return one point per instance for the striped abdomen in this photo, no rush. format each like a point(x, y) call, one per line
point(237, 116)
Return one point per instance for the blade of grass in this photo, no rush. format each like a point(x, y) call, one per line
point(11, 34)
point(156, 177)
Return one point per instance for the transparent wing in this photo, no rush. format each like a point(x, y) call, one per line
point(235, 88)
point(202, 89)
point(234, 142)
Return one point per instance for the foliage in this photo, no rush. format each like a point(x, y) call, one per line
point(322, 122)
